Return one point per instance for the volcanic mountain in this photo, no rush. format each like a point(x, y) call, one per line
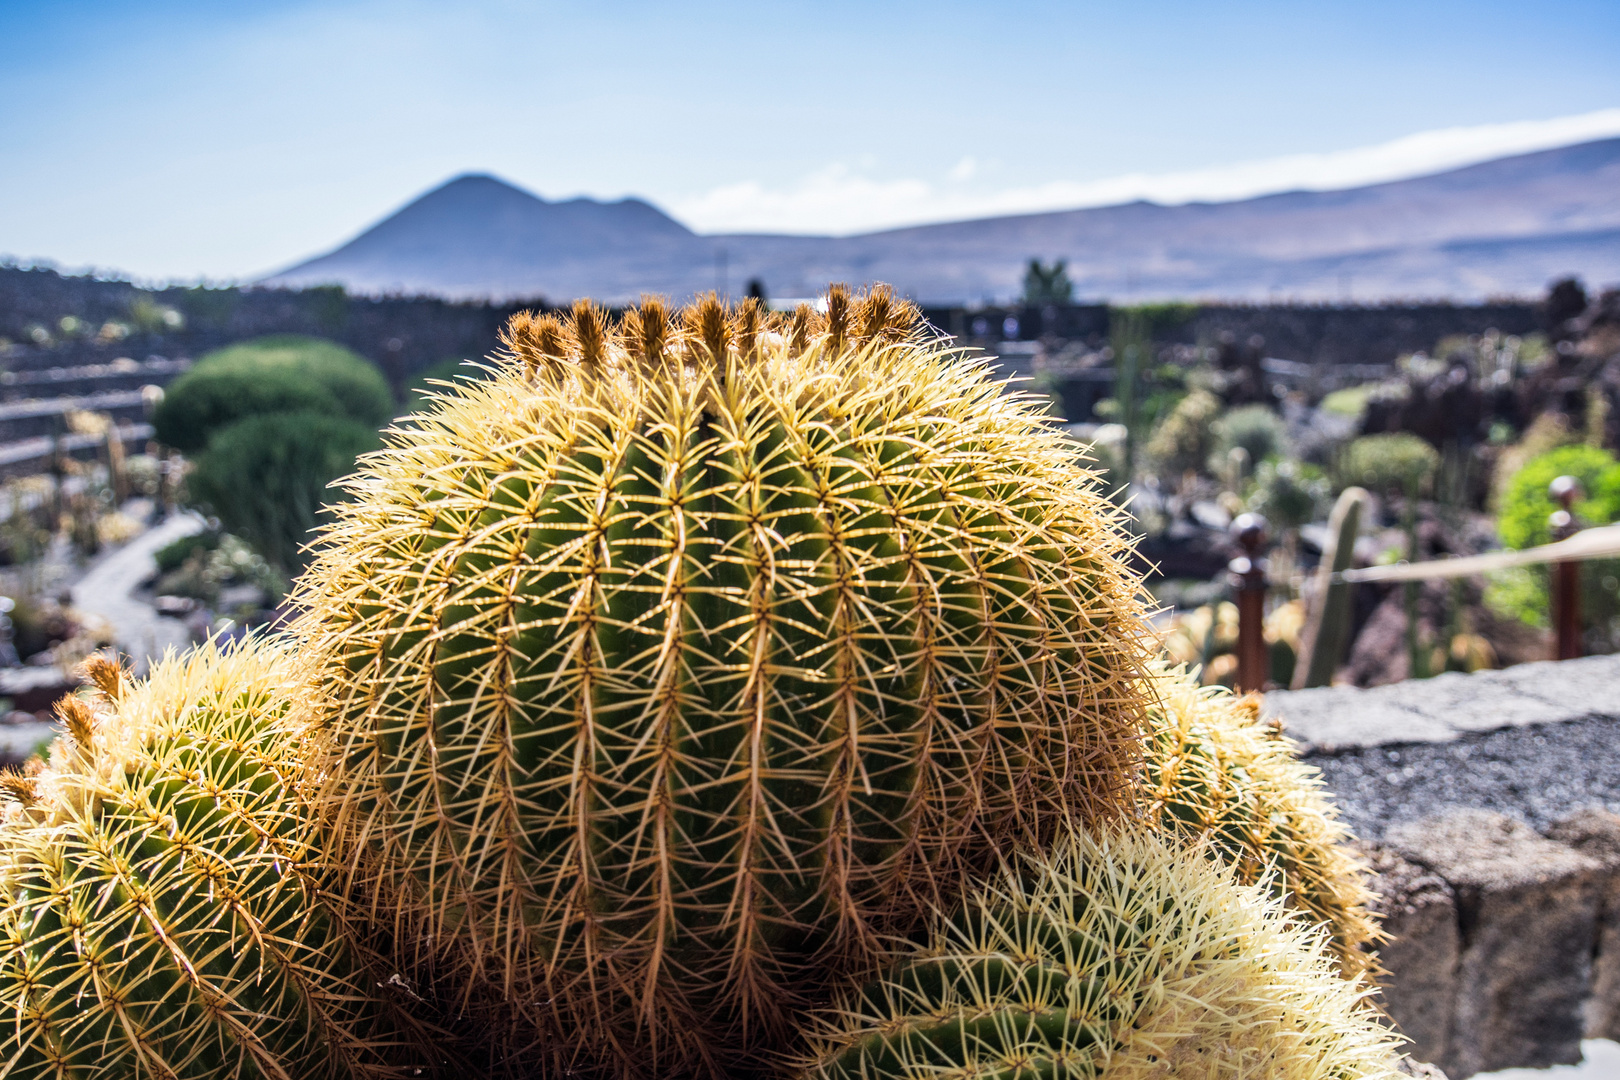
point(1506, 226)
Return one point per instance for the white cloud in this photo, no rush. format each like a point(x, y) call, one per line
point(838, 199)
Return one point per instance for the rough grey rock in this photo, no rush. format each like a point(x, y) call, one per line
point(1408, 1067)
point(1527, 910)
point(1419, 984)
point(1595, 833)
point(1339, 718)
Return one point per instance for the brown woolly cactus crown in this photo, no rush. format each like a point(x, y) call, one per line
point(685, 657)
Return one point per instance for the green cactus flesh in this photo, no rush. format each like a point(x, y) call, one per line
point(676, 664)
point(153, 917)
point(1112, 957)
point(1216, 775)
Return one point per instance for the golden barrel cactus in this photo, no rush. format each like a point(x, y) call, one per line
point(1217, 775)
point(685, 657)
point(155, 917)
point(1112, 956)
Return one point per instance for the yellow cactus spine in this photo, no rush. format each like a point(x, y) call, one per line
point(682, 660)
point(154, 920)
point(1113, 957)
point(1215, 774)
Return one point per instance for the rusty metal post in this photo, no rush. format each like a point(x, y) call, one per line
point(1249, 581)
point(1566, 575)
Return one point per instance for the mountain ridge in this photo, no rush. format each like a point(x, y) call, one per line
point(1499, 227)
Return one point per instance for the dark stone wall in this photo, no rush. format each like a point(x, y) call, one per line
point(405, 335)
point(402, 335)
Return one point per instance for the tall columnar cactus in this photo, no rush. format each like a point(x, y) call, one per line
point(1217, 775)
point(154, 921)
point(1114, 957)
point(681, 659)
point(1328, 631)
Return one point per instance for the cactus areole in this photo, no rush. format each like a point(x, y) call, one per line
point(688, 654)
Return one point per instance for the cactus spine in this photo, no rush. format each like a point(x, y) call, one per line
point(153, 917)
point(682, 659)
point(1216, 775)
point(1114, 957)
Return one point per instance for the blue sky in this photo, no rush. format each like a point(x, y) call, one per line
point(178, 139)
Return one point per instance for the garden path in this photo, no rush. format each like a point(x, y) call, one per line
point(107, 589)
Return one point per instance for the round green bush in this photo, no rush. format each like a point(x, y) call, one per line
point(1523, 592)
point(1398, 462)
point(281, 374)
point(266, 477)
point(1526, 506)
point(1256, 428)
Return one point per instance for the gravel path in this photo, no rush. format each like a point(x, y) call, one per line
point(105, 591)
point(1538, 773)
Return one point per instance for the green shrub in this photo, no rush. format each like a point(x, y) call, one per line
point(173, 555)
point(1400, 463)
point(281, 374)
point(1289, 493)
point(208, 568)
point(266, 477)
point(1523, 592)
point(1256, 428)
point(1526, 503)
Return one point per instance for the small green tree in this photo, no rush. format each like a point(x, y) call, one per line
point(266, 477)
point(1048, 284)
point(280, 374)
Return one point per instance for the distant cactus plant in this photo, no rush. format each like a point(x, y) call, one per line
point(1400, 462)
point(681, 660)
point(154, 921)
point(1328, 630)
point(1112, 957)
point(1218, 776)
point(1258, 429)
point(1182, 439)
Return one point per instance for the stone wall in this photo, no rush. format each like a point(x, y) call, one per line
point(1489, 808)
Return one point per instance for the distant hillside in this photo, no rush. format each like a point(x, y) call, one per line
point(1502, 227)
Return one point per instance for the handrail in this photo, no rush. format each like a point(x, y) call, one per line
point(1596, 543)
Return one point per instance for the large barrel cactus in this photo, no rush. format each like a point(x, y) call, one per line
point(154, 921)
point(1216, 774)
point(1114, 957)
point(682, 659)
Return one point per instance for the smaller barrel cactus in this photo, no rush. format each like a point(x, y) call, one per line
point(153, 917)
point(1113, 957)
point(1215, 773)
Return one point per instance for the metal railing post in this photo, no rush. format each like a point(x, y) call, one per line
point(1249, 581)
point(1566, 574)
